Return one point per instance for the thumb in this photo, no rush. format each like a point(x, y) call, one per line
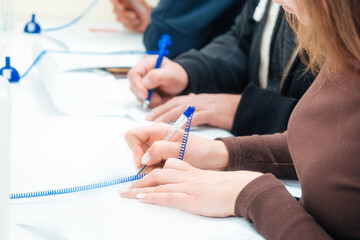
point(173, 163)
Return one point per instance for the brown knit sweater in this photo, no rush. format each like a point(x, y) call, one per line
point(321, 147)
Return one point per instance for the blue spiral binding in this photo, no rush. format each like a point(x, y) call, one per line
point(75, 189)
point(185, 138)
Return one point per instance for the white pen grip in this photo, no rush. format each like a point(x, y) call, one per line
point(177, 125)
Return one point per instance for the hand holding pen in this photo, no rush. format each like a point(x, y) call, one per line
point(164, 42)
point(133, 14)
point(148, 147)
point(168, 81)
point(175, 128)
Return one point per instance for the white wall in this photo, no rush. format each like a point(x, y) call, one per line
point(66, 8)
point(62, 9)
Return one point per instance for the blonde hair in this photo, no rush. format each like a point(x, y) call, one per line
point(333, 33)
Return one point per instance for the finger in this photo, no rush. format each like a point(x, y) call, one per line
point(168, 188)
point(136, 74)
point(162, 109)
point(138, 138)
point(147, 134)
point(181, 201)
point(154, 78)
point(130, 16)
point(162, 150)
point(179, 165)
point(136, 146)
point(201, 117)
point(172, 115)
point(156, 99)
point(115, 3)
point(159, 177)
point(129, 20)
point(138, 90)
point(132, 26)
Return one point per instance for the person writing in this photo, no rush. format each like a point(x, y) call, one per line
point(321, 146)
point(252, 76)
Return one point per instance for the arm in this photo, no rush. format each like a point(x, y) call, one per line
point(267, 154)
point(275, 213)
point(224, 62)
point(177, 19)
point(262, 111)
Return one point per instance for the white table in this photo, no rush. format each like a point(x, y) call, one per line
point(51, 150)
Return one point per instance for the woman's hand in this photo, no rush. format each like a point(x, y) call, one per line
point(200, 152)
point(167, 81)
point(179, 185)
point(216, 110)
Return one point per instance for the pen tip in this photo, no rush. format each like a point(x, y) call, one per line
point(146, 104)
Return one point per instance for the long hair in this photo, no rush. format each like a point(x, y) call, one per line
point(333, 33)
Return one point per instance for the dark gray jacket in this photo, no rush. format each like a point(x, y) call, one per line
point(230, 64)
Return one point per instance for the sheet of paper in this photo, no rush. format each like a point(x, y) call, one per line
point(83, 92)
point(61, 152)
point(82, 39)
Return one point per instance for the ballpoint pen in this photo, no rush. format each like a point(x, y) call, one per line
point(177, 125)
point(163, 43)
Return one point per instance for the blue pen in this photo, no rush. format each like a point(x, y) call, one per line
point(163, 43)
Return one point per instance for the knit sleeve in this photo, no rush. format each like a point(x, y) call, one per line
point(266, 153)
point(275, 213)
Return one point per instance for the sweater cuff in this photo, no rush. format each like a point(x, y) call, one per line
point(234, 150)
point(188, 65)
point(252, 191)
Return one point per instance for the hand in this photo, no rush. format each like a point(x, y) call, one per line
point(216, 110)
point(131, 16)
point(179, 185)
point(167, 81)
point(200, 152)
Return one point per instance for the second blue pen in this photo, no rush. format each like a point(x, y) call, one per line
point(163, 43)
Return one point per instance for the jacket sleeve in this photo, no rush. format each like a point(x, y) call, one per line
point(191, 24)
point(275, 213)
point(266, 153)
point(269, 112)
point(222, 66)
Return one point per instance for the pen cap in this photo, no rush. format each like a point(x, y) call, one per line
point(164, 42)
point(9, 72)
point(4, 156)
point(189, 111)
point(32, 26)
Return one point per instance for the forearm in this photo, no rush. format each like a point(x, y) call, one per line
point(275, 213)
point(267, 154)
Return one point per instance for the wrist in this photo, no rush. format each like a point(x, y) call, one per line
point(220, 155)
point(183, 78)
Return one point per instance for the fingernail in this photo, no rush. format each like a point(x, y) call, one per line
point(141, 95)
point(159, 119)
point(123, 190)
point(146, 81)
point(145, 158)
point(140, 195)
point(150, 116)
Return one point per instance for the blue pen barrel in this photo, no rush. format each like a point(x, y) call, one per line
point(163, 43)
